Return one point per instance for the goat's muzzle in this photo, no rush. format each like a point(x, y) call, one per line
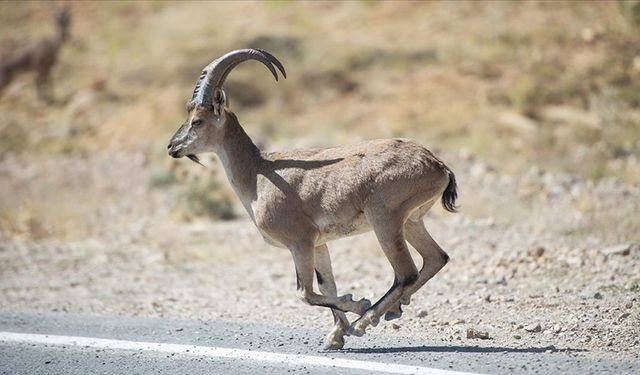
point(174, 152)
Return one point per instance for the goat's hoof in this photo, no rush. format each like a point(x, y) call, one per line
point(347, 297)
point(391, 315)
point(405, 300)
point(394, 313)
point(375, 321)
point(333, 343)
point(357, 329)
point(335, 339)
point(365, 305)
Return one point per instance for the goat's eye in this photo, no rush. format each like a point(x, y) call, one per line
point(196, 122)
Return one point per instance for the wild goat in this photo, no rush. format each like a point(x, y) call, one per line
point(38, 57)
point(302, 199)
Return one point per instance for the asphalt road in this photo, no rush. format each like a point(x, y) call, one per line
point(77, 344)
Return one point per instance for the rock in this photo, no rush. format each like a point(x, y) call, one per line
point(621, 249)
point(557, 328)
point(395, 326)
point(588, 34)
point(422, 313)
point(624, 316)
point(636, 63)
point(538, 251)
point(597, 295)
point(533, 328)
point(518, 123)
point(517, 337)
point(571, 116)
point(588, 294)
point(478, 170)
point(473, 333)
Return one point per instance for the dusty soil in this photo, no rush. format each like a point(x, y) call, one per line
point(94, 218)
point(533, 262)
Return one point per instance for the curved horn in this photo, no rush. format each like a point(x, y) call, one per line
point(217, 71)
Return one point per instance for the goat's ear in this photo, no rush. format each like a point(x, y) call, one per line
point(219, 101)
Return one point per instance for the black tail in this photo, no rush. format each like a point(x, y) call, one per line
point(450, 194)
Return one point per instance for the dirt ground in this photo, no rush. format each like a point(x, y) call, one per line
point(526, 279)
point(534, 106)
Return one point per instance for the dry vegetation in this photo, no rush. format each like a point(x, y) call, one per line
point(536, 106)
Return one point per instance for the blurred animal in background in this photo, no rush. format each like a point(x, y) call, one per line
point(39, 57)
point(302, 199)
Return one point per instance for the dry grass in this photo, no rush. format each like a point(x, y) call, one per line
point(443, 73)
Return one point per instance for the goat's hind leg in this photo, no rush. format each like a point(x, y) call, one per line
point(433, 260)
point(327, 286)
point(304, 259)
point(389, 231)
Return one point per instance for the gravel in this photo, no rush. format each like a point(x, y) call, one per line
point(525, 255)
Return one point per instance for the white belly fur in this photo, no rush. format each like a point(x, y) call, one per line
point(331, 231)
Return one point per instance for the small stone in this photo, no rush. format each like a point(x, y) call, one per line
point(588, 34)
point(628, 305)
point(456, 321)
point(487, 298)
point(557, 328)
point(622, 249)
point(539, 251)
point(422, 313)
point(533, 328)
point(588, 294)
point(395, 326)
point(597, 295)
point(475, 334)
point(179, 329)
point(624, 316)
point(517, 337)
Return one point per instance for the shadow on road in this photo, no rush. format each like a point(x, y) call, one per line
point(459, 349)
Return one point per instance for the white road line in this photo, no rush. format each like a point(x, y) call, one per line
point(213, 352)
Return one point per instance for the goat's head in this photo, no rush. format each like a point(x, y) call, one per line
point(63, 19)
point(207, 111)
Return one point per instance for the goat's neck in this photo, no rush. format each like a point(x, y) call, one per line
point(241, 160)
point(60, 38)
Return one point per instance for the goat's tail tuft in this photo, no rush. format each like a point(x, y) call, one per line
point(450, 194)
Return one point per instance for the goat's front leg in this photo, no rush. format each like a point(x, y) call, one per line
point(327, 286)
point(303, 257)
point(43, 87)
